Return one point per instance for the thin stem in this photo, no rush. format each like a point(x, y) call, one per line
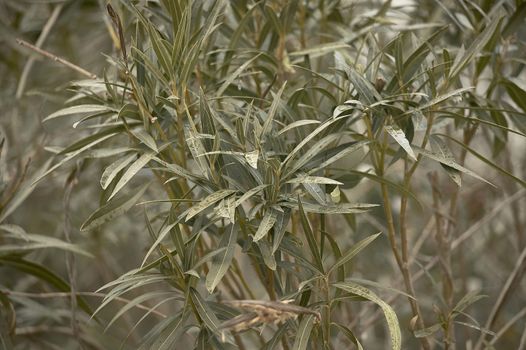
point(57, 59)
point(506, 292)
point(40, 41)
point(71, 265)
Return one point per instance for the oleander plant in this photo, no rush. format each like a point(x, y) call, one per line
point(301, 174)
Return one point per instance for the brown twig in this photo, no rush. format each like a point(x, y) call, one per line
point(71, 265)
point(56, 58)
point(506, 292)
point(40, 41)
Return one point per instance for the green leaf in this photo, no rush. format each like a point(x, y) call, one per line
point(113, 169)
point(131, 171)
point(197, 149)
point(207, 201)
point(517, 94)
point(44, 274)
point(367, 92)
point(79, 109)
point(449, 163)
point(145, 138)
point(426, 332)
point(235, 75)
point(298, 124)
point(113, 208)
point(23, 192)
point(390, 315)
point(316, 192)
point(383, 180)
point(440, 147)
point(399, 136)
point(311, 240)
point(474, 49)
point(266, 224)
point(249, 194)
point(267, 125)
point(344, 208)
point(304, 333)
point(35, 241)
point(136, 301)
point(73, 155)
point(467, 300)
point(348, 334)
point(415, 59)
point(162, 234)
point(205, 312)
point(221, 262)
point(332, 155)
point(357, 248)
point(320, 50)
point(313, 134)
point(320, 180)
point(312, 151)
point(266, 253)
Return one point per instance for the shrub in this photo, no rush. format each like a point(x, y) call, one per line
point(248, 152)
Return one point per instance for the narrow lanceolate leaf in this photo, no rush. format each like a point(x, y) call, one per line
point(309, 137)
point(165, 231)
point(474, 49)
point(131, 171)
point(266, 253)
point(304, 332)
point(344, 208)
point(113, 169)
point(347, 332)
point(311, 240)
point(485, 160)
point(35, 241)
point(113, 208)
point(272, 112)
point(321, 49)
point(440, 147)
point(399, 136)
point(316, 192)
point(441, 98)
point(207, 201)
point(24, 191)
point(221, 262)
point(197, 148)
point(282, 219)
point(314, 180)
point(205, 313)
point(332, 155)
point(298, 124)
point(448, 162)
point(390, 315)
point(235, 75)
point(250, 193)
point(312, 152)
point(266, 224)
point(72, 155)
point(358, 247)
point(145, 138)
point(80, 109)
point(367, 92)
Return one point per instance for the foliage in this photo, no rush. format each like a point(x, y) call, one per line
point(224, 176)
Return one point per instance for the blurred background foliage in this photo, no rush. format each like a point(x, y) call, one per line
point(199, 86)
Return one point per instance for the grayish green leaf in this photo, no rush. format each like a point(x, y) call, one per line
point(221, 262)
point(113, 208)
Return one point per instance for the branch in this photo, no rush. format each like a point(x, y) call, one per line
point(56, 58)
